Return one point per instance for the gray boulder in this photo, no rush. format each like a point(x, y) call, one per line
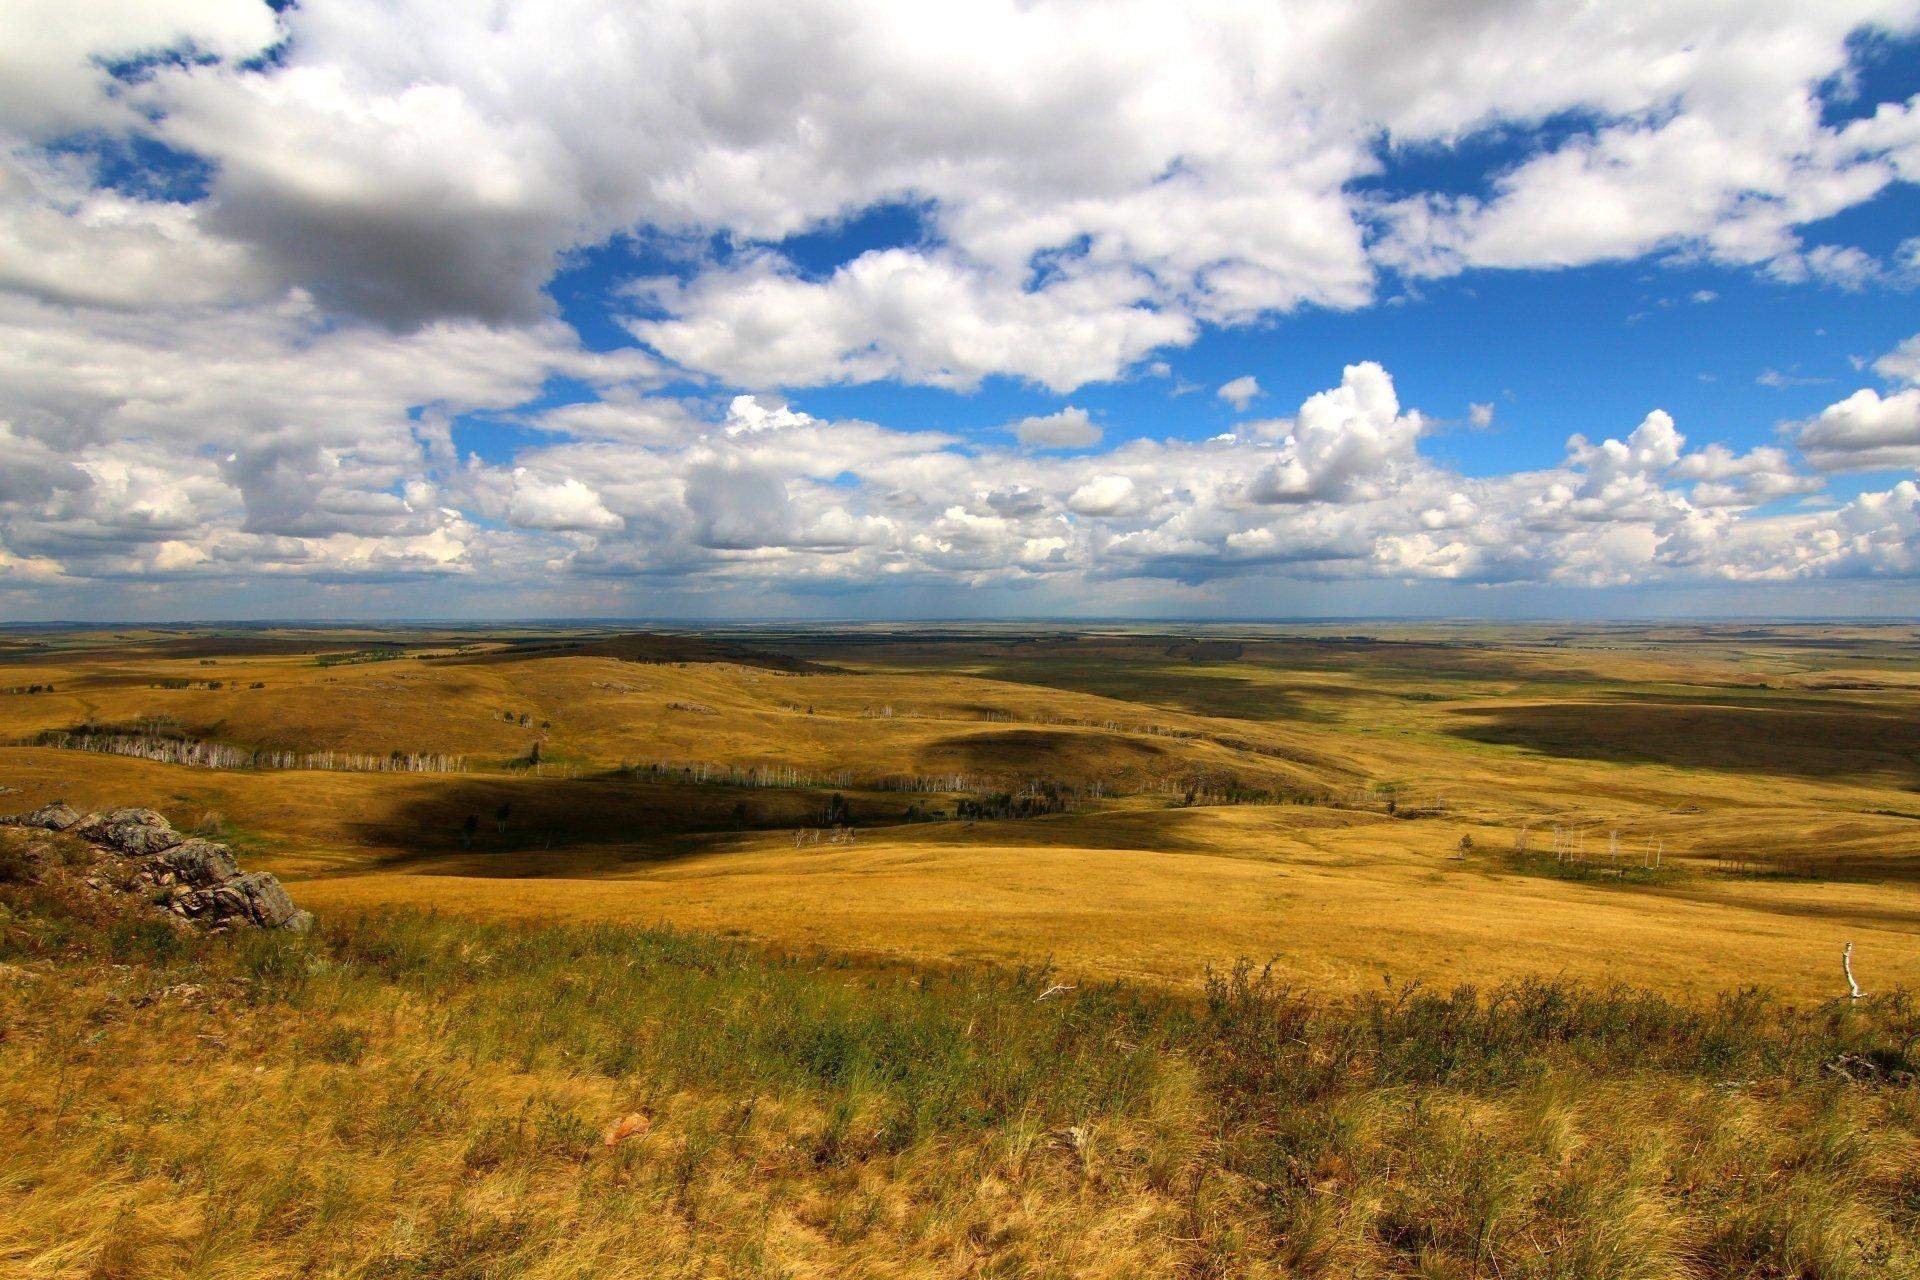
point(135, 834)
point(145, 817)
point(255, 898)
point(203, 881)
point(57, 816)
point(199, 862)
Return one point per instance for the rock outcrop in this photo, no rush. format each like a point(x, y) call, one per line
point(193, 879)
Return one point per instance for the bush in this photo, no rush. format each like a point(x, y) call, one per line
point(18, 863)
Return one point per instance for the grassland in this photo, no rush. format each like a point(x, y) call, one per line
point(1438, 951)
point(402, 1095)
point(1442, 803)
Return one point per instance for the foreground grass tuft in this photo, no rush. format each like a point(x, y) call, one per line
point(409, 1096)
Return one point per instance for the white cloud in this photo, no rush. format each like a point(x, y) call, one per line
point(51, 80)
point(1240, 392)
point(761, 497)
point(1864, 432)
point(1102, 496)
point(1070, 428)
point(1902, 364)
point(1480, 415)
point(270, 437)
point(273, 382)
point(63, 241)
point(1091, 192)
point(899, 314)
point(1779, 381)
point(1343, 443)
point(564, 505)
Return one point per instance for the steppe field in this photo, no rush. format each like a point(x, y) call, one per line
point(1440, 950)
point(1688, 808)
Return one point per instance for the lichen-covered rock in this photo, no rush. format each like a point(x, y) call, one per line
point(57, 816)
point(200, 878)
point(136, 837)
point(89, 827)
point(144, 817)
point(255, 897)
point(198, 862)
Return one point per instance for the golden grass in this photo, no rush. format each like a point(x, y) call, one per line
point(1339, 911)
point(401, 1097)
point(1731, 752)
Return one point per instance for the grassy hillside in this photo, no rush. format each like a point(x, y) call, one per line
point(1689, 808)
point(405, 1095)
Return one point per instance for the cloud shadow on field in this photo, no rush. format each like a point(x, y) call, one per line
point(1801, 741)
point(551, 824)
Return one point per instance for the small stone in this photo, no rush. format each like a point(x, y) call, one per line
point(624, 1128)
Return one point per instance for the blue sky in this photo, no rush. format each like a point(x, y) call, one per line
point(1545, 347)
point(358, 309)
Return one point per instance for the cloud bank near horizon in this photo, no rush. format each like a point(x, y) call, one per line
point(257, 268)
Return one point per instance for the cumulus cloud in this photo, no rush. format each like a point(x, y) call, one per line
point(64, 241)
point(1088, 193)
point(900, 314)
point(563, 505)
point(1104, 495)
point(52, 53)
point(755, 495)
point(1240, 392)
point(267, 436)
point(1902, 364)
point(1070, 428)
point(1480, 416)
point(250, 306)
point(1864, 432)
point(1344, 443)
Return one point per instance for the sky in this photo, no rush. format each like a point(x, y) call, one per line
point(360, 309)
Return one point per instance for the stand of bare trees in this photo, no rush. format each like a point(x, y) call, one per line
point(788, 777)
point(218, 755)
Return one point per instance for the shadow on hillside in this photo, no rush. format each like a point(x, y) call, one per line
point(1154, 683)
point(637, 647)
point(1066, 756)
point(1792, 741)
point(598, 825)
point(490, 824)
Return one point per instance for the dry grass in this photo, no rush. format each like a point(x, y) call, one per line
point(1767, 766)
point(409, 1096)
